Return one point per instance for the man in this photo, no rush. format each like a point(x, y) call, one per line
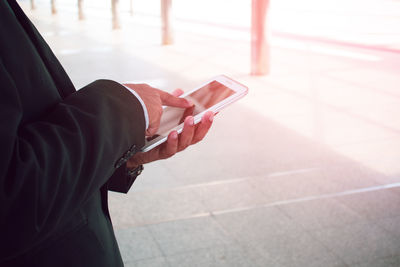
point(62, 149)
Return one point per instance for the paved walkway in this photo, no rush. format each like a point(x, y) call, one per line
point(304, 171)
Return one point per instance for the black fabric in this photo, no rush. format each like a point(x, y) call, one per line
point(59, 147)
point(122, 180)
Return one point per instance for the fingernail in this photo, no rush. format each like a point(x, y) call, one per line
point(174, 135)
point(190, 103)
point(211, 118)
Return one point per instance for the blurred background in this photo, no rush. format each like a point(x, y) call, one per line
point(303, 171)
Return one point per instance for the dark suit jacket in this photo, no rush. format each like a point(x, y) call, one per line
point(59, 147)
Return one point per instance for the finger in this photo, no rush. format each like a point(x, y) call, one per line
point(154, 120)
point(177, 92)
point(151, 131)
point(186, 113)
point(133, 162)
point(173, 101)
point(142, 158)
point(203, 127)
point(187, 134)
point(170, 147)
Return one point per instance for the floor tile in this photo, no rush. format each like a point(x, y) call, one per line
point(384, 262)
point(164, 205)
point(320, 214)
point(137, 244)
point(188, 235)
point(374, 204)
point(255, 224)
point(155, 262)
point(230, 195)
point(221, 256)
point(293, 186)
point(391, 224)
point(298, 249)
point(358, 242)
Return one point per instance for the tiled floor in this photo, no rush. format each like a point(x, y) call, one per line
point(304, 171)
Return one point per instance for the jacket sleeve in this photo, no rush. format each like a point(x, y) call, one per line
point(49, 167)
point(121, 181)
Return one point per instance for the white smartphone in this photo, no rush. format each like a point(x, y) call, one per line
point(213, 95)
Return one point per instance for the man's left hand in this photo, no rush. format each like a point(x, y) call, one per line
point(190, 135)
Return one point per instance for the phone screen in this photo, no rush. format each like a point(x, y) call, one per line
point(203, 98)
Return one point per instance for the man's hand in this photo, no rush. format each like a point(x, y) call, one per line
point(154, 99)
point(190, 135)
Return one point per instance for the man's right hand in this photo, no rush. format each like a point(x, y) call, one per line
point(154, 99)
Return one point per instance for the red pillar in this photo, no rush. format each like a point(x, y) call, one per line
point(53, 7)
point(115, 15)
point(166, 20)
point(260, 47)
point(81, 15)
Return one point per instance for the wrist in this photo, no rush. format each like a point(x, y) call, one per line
point(134, 172)
point(131, 164)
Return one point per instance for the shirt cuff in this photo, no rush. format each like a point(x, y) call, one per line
point(146, 114)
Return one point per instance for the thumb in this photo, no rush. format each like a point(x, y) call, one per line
point(173, 101)
point(151, 130)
